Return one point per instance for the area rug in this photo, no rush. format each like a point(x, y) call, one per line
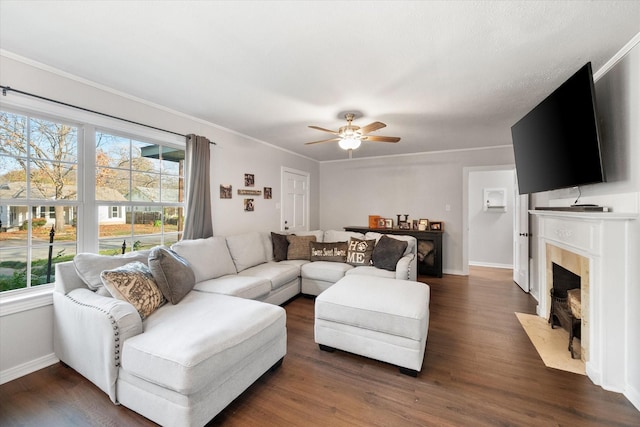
point(551, 344)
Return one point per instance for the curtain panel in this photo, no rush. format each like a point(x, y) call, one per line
point(198, 223)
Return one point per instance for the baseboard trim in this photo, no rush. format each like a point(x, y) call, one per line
point(27, 368)
point(633, 395)
point(491, 264)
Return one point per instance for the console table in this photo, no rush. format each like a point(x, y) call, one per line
point(429, 247)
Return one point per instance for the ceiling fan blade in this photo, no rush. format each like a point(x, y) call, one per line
point(377, 138)
point(372, 126)
point(324, 130)
point(324, 140)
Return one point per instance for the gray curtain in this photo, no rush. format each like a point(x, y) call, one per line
point(198, 218)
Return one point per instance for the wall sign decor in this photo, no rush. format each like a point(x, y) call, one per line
point(226, 191)
point(249, 192)
point(249, 180)
point(248, 205)
point(267, 192)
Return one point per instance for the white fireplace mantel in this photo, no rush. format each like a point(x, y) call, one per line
point(604, 239)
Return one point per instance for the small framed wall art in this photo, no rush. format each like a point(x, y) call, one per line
point(248, 205)
point(226, 191)
point(267, 193)
point(249, 180)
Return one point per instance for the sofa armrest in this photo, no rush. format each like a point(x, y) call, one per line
point(89, 331)
point(406, 268)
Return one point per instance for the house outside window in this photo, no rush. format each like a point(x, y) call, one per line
point(80, 181)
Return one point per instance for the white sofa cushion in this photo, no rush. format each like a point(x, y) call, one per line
point(371, 271)
point(237, 286)
point(186, 346)
point(247, 250)
point(277, 273)
point(89, 266)
point(325, 270)
point(318, 233)
point(209, 258)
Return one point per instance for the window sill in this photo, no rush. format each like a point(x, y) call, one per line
point(26, 300)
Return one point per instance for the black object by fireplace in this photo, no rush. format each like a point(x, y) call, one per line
point(561, 313)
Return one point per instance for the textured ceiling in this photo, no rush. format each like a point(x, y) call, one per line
point(441, 75)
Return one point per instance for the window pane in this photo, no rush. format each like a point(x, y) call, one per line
point(114, 222)
point(53, 141)
point(171, 189)
point(172, 160)
point(173, 219)
point(53, 180)
point(13, 134)
point(113, 246)
point(146, 187)
point(144, 157)
point(13, 265)
point(13, 180)
point(113, 151)
point(41, 273)
point(112, 185)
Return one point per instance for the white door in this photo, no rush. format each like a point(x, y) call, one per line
point(295, 200)
point(521, 242)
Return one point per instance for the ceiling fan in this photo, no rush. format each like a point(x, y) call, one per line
point(350, 137)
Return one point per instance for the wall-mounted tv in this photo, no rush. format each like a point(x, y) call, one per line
point(557, 144)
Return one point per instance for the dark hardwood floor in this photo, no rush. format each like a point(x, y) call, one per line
point(480, 369)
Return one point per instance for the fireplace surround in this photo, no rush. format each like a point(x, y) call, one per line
point(596, 247)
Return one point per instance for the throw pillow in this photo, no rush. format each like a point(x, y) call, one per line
point(246, 249)
point(172, 273)
point(209, 258)
point(134, 284)
point(387, 252)
point(89, 266)
point(299, 246)
point(359, 251)
point(334, 252)
point(280, 246)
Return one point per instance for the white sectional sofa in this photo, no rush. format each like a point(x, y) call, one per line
point(183, 363)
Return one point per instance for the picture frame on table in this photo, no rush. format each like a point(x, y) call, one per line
point(423, 224)
point(436, 226)
point(404, 225)
point(382, 223)
point(388, 223)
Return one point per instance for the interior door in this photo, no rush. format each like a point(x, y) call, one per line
point(521, 242)
point(295, 201)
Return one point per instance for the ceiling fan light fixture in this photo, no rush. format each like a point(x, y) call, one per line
point(349, 143)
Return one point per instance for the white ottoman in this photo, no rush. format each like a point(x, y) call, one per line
point(384, 319)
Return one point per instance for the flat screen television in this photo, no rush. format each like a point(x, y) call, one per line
point(557, 144)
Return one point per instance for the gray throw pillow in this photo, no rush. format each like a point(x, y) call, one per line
point(388, 252)
point(172, 273)
point(333, 252)
point(280, 246)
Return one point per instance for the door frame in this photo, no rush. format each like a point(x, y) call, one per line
point(307, 175)
point(465, 206)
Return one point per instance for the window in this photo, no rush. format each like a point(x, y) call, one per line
point(38, 198)
point(60, 181)
point(146, 180)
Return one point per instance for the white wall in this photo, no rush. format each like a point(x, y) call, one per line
point(490, 231)
point(232, 157)
point(618, 99)
point(428, 185)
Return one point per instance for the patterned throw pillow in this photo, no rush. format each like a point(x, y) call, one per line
point(299, 246)
point(134, 284)
point(172, 273)
point(334, 252)
point(388, 252)
point(359, 251)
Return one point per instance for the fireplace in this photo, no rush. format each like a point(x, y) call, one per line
point(597, 248)
point(566, 310)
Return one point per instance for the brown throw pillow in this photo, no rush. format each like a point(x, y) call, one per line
point(280, 246)
point(134, 284)
point(172, 273)
point(299, 246)
point(359, 251)
point(387, 253)
point(334, 252)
